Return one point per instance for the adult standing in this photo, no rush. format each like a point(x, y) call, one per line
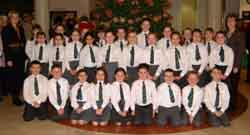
point(235, 40)
point(14, 43)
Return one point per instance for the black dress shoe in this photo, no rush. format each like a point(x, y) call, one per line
point(17, 102)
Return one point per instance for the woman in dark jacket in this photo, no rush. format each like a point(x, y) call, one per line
point(13, 42)
point(235, 40)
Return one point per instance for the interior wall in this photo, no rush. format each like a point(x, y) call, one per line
point(244, 6)
point(188, 13)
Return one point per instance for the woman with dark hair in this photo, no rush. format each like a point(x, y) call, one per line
point(14, 43)
point(235, 40)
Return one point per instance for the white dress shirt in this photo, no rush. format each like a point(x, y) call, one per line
point(115, 56)
point(138, 57)
point(116, 97)
point(85, 57)
point(162, 43)
point(191, 49)
point(228, 56)
point(29, 48)
point(101, 43)
point(197, 99)
point(141, 39)
point(28, 89)
point(163, 95)
point(183, 60)
point(86, 95)
point(36, 51)
point(158, 58)
point(210, 96)
point(106, 92)
point(213, 45)
point(137, 96)
point(52, 55)
point(64, 90)
point(69, 53)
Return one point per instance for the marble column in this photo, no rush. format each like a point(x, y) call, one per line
point(42, 14)
point(202, 14)
point(175, 11)
point(232, 6)
point(215, 14)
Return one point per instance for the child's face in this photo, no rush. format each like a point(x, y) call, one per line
point(132, 38)
point(109, 38)
point(216, 75)
point(59, 30)
point(175, 39)
point(168, 77)
point(167, 32)
point(209, 35)
point(100, 75)
point(75, 36)
point(196, 37)
point(82, 77)
point(58, 40)
point(120, 76)
point(121, 33)
point(56, 73)
point(89, 40)
point(101, 35)
point(231, 22)
point(40, 39)
point(145, 26)
point(35, 69)
point(220, 39)
point(193, 79)
point(143, 74)
point(34, 32)
point(187, 34)
point(151, 39)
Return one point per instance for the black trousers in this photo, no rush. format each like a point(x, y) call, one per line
point(233, 85)
point(218, 121)
point(30, 113)
point(197, 121)
point(143, 114)
point(53, 115)
point(171, 115)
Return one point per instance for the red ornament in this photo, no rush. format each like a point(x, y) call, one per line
point(109, 13)
point(150, 3)
point(120, 2)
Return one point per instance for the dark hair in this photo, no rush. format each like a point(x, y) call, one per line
point(81, 71)
point(168, 26)
point(209, 29)
point(56, 66)
point(197, 30)
point(60, 35)
point(169, 70)
point(220, 32)
point(193, 73)
point(35, 62)
point(34, 27)
point(217, 68)
point(75, 30)
point(120, 70)
point(231, 15)
point(41, 33)
point(105, 74)
point(143, 66)
point(187, 28)
point(175, 33)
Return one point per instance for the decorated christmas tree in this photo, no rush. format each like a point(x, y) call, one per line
point(129, 13)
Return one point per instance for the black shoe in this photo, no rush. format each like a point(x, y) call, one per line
point(17, 102)
point(1, 99)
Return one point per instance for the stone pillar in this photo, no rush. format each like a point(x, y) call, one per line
point(202, 14)
point(215, 14)
point(175, 11)
point(232, 6)
point(42, 14)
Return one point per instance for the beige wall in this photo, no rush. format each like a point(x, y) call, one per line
point(188, 13)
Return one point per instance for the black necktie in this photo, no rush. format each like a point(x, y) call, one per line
point(36, 87)
point(222, 54)
point(121, 45)
point(197, 53)
point(208, 48)
point(191, 98)
point(58, 92)
point(92, 56)
point(40, 57)
point(75, 51)
point(217, 98)
point(132, 56)
point(167, 44)
point(146, 39)
point(57, 54)
point(177, 57)
point(152, 55)
point(79, 93)
point(100, 93)
point(108, 54)
point(121, 93)
point(144, 93)
point(101, 44)
point(171, 93)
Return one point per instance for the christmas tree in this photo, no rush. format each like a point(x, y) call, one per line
point(129, 14)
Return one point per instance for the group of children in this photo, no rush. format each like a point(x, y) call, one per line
point(129, 80)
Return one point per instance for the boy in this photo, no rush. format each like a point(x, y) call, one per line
point(168, 101)
point(217, 99)
point(58, 94)
point(143, 95)
point(143, 36)
point(35, 92)
point(192, 97)
point(197, 56)
point(165, 42)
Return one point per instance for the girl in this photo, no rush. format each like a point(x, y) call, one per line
point(100, 98)
point(89, 57)
point(80, 100)
point(72, 51)
point(59, 29)
point(57, 52)
point(40, 53)
point(120, 98)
